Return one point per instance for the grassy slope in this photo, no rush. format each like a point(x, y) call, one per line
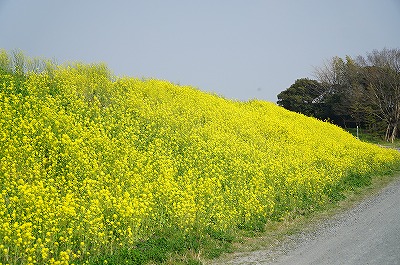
point(365, 136)
point(96, 169)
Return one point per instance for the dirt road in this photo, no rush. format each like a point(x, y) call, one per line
point(366, 234)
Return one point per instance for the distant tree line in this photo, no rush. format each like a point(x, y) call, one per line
point(362, 91)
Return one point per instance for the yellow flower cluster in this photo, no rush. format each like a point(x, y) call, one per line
point(90, 163)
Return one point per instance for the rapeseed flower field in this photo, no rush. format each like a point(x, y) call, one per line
point(91, 163)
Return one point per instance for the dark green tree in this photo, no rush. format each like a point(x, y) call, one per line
point(303, 97)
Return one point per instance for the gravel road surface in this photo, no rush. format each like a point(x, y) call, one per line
point(369, 233)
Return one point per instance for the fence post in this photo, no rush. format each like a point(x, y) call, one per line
point(357, 132)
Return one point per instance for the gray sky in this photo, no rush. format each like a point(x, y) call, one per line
point(238, 49)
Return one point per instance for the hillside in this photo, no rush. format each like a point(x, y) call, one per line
point(92, 165)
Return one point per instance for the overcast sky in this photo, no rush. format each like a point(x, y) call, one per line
point(238, 49)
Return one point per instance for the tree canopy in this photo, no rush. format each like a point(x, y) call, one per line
point(362, 91)
point(302, 97)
